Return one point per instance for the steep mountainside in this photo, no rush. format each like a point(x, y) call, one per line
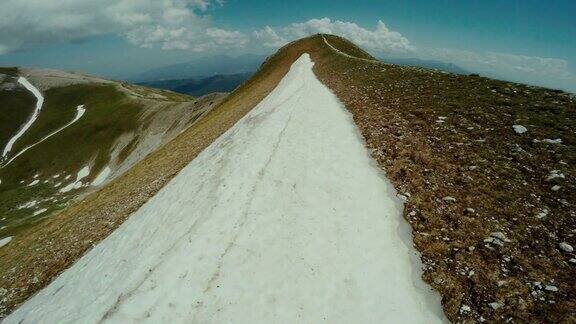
point(65, 134)
point(486, 170)
point(199, 87)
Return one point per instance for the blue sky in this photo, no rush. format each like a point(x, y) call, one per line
point(528, 41)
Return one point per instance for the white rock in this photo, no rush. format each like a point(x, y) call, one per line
point(449, 199)
point(499, 235)
point(552, 141)
point(519, 129)
point(465, 309)
point(566, 247)
point(554, 175)
point(551, 288)
point(496, 305)
point(543, 213)
point(555, 188)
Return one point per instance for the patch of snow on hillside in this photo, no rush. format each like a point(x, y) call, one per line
point(101, 177)
point(79, 113)
point(29, 204)
point(5, 241)
point(39, 211)
point(35, 113)
point(283, 219)
point(83, 173)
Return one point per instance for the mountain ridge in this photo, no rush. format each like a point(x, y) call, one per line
point(472, 186)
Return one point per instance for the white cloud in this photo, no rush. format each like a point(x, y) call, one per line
point(167, 24)
point(380, 39)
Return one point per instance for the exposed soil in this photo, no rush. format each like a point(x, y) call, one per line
point(485, 212)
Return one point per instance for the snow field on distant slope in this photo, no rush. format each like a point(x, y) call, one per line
point(39, 103)
point(283, 219)
point(80, 110)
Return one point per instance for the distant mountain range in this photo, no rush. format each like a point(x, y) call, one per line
point(428, 64)
point(201, 86)
point(222, 73)
point(203, 67)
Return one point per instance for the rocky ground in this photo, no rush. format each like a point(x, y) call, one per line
point(487, 169)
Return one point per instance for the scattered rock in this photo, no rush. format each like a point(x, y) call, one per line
point(552, 141)
point(465, 309)
point(554, 174)
point(497, 238)
point(519, 129)
point(566, 247)
point(551, 288)
point(496, 305)
point(449, 199)
point(543, 213)
point(555, 188)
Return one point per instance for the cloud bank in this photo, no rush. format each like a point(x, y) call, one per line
point(166, 24)
point(381, 39)
point(553, 72)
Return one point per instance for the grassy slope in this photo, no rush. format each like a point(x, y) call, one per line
point(110, 112)
point(89, 139)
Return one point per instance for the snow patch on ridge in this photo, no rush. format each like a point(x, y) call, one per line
point(284, 218)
